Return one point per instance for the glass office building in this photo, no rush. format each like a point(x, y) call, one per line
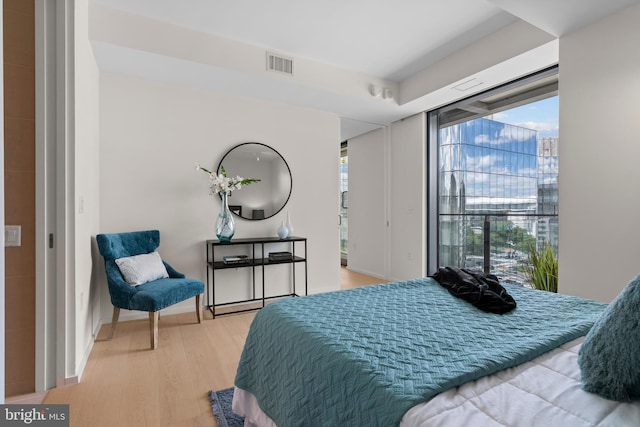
point(497, 178)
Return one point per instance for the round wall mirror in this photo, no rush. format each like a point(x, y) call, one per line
point(263, 199)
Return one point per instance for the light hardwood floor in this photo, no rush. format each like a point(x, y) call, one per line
point(127, 384)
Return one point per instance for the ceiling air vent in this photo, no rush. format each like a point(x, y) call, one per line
point(279, 64)
point(466, 85)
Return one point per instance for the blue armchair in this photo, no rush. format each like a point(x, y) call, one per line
point(151, 296)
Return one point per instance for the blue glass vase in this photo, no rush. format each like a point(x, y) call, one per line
point(225, 225)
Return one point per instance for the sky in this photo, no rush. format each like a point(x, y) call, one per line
point(541, 116)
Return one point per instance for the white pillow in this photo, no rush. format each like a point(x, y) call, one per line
point(143, 268)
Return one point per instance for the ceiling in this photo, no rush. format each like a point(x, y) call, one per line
point(388, 42)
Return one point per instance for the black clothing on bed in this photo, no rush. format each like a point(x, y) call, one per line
point(480, 289)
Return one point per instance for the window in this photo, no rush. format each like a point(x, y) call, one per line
point(497, 186)
point(344, 174)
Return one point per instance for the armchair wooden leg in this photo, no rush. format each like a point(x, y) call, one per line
point(114, 321)
point(198, 309)
point(153, 323)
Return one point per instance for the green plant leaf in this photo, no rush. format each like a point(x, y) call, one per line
point(542, 268)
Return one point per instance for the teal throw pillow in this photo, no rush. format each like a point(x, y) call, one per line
point(609, 358)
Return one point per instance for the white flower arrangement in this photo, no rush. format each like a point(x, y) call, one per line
point(221, 183)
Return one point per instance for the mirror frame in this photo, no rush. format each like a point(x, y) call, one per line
point(267, 147)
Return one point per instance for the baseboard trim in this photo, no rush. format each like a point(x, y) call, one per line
point(365, 272)
point(322, 290)
point(63, 382)
point(27, 399)
point(85, 357)
point(127, 315)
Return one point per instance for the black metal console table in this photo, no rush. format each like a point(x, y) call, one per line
point(253, 262)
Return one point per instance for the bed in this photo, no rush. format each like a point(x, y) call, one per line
point(410, 354)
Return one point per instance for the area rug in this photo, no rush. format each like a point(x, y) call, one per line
point(221, 405)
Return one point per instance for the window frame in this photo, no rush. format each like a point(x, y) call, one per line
point(517, 92)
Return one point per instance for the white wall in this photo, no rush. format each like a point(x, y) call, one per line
point(367, 212)
point(151, 134)
point(599, 152)
point(407, 232)
point(387, 197)
point(86, 188)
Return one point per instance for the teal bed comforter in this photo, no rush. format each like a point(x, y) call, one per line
point(363, 357)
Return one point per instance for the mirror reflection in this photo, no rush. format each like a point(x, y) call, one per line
point(263, 199)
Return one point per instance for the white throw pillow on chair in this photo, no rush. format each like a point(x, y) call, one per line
point(140, 269)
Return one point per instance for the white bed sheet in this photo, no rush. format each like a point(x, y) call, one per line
point(542, 392)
